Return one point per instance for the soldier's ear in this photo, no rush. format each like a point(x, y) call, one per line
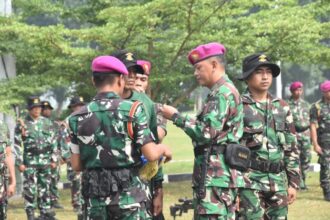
point(93, 81)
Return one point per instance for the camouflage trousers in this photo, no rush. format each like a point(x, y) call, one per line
point(99, 209)
point(218, 204)
point(76, 197)
point(55, 178)
point(304, 146)
point(3, 198)
point(255, 205)
point(36, 188)
point(324, 161)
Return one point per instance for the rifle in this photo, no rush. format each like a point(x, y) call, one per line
point(178, 209)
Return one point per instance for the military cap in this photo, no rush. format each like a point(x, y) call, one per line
point(205, 51)
point(145, 65)
point(77, 100)
point(129, 59)
point(296, 85)
point(46, 104)
point(252, 62)
point(325, 86)
point(33, 101)
point(108, 64)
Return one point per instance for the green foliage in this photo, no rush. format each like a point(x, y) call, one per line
point(162, 31)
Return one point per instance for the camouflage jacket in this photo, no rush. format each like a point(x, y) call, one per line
point(63, 141)
point(4, 142)
point(39, 140)
point(300, 112)
point(150, 109)
point(161, 121)
point(270, 134)
point(100, 131)
point(320, 115)
point(220, 122)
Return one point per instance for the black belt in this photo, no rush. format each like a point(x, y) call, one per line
point(266, 166)
point(216, 149)
point(38, 151)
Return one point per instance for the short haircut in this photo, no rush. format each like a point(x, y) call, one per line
point(101, 79)
point(221, 59)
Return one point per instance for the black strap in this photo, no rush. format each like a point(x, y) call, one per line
point(301, 129)
point(216, 149)
point(266, 166)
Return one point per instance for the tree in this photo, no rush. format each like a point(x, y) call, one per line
point(162, 31)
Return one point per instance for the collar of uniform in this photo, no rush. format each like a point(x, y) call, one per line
point(247, 98)
point(106, 95)
point(219, 83)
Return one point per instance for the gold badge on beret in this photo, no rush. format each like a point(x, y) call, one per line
point(35, 101)
point(129, 56)
point(262, 58)
point(46, 103)
point(194, 56)
point(81, 99)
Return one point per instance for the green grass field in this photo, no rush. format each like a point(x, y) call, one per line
point(309, 205)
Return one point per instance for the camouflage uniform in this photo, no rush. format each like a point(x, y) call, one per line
point(62, 153)
point(300, 113)
point(152, 118)
point(219, 123)
point(104, 143)
point(320, 115)
point(269, 133)
point(38, 137)
point(161, 121)
point(4, 142)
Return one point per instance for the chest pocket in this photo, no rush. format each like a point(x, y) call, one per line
point(253, 128)
point(280, 127)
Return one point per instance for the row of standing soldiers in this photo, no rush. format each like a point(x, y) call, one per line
point(109, 135)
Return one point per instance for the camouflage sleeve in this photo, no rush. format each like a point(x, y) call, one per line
point(291, 151)
point(313, 114)
point(64, 143)
point(142, 133)
point(54, 142)
point(161, 121)
point(210, 125)
point(18, 144)
point(73, 144)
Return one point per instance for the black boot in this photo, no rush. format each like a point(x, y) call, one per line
point(80, 217)
point(50, 215)
point(327, 196)
point(57, 205)
point(30, 214)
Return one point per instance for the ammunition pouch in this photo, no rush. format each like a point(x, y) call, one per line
point(39, 151)
point(101, 182)
point(266, 166)
point(238, 156)
point(301, 129)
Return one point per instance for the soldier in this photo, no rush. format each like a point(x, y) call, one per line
point(36, 134)
point(7, 169)
point(300, 113)
point(76, 103)
point(274, 176)
point(108, 137)
point(155, 185)
point(61, 152)
point(320, 133)
point(218, 125)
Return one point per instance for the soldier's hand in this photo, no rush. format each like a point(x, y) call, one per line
point(167, 154)
point(52, 165)
point(318, 149)
point(168, 111)
point(292, 195)
point(21, 168)
point(11, 190)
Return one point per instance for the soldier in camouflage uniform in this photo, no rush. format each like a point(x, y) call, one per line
point(219, 124)
point(36, 134)
point(300, 113)
point(7, 170)
point(76, 103)
point(134, 69)
point(274, 175)
point(320, 133)
point(107, 143)
point(62, 152)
